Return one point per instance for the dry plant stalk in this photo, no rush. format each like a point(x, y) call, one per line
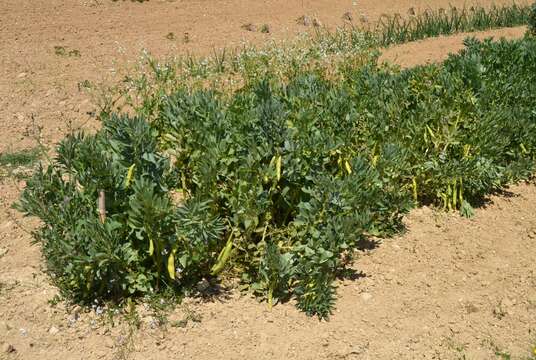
point(102, 206)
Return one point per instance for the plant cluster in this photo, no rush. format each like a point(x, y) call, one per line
point(323, 51)
point(279, 182)
point(532, 20)
point(19, 162)
point(397, 29)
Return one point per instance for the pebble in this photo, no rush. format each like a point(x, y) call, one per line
point(53, 330)
point(5, 326)
point(366, 296)
point(23, 332)
point(304, 20)
point(6, 225)
point(347, 16)
point(8, 348)
point(109, 343)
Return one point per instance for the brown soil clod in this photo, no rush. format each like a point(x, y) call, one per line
point(249, 27)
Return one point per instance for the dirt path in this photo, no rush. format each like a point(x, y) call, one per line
point(450, 288)
point(437, 49)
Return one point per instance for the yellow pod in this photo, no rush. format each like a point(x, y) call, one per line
point(171, 266)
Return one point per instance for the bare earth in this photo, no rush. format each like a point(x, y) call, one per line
point(450, 288)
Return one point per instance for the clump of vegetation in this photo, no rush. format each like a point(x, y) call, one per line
point(278, 182)
point(63, 51)
point(265, 29)
point(228, 70)
point(18, 163)
point(323, 51)
point(532, 20)
point(396, 29)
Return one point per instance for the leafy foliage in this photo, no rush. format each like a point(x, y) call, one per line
point(532, 20)
point(281, 181)
point(129, 252)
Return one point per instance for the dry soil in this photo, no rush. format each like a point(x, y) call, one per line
point(449, 288)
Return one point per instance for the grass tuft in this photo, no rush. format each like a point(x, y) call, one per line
point(18, 163)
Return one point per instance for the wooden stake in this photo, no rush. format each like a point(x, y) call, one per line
point(102, 206)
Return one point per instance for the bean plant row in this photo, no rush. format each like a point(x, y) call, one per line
point(278, 183)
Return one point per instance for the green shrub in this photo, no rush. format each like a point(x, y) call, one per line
point(90, 260)
point(532, 20)
point(280, 182)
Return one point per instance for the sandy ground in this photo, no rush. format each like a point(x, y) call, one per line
point(450, 288)
point(436, 50)
point(40, 89)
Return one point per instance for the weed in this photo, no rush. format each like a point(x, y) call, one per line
point(265, 29)
point(189, 316)
point(63, 51)
point(84, 85)
point(55, 300)
point(186, 38)
point(125, 343)
point(23, 158)
point(499, 312)
point(503, 355)
point(18, 164)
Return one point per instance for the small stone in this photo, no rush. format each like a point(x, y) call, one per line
point(249, 27)
point(366, 296)
point(471, 308)
point(357, 350)
point(53, 330)
point(23, 332)
point(22, 75)
point(8, 349)
point(109, 343)
point(5, 326)
point(6, 225)
point(72, 321)
point(317, 23)
point(202, 286)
